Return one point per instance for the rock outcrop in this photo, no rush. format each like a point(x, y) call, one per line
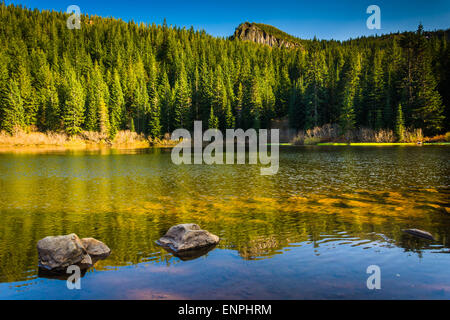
point(253, 32)
point(186, 237)
point(59, 252)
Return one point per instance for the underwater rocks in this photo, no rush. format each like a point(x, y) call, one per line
point(419, 233)
point(60, 252)
point(187, 237)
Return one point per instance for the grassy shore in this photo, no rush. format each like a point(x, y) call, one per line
point(381, 144)
point(85, 140)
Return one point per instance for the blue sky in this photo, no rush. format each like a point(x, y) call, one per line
point(326, 19)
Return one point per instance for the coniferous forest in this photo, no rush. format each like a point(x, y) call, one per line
point(111, 75)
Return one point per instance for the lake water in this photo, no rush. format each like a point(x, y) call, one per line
point(309, 232)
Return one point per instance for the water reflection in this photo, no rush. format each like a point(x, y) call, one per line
point(322, 199)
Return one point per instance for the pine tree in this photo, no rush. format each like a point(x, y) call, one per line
point(315, 77)
point(422, 100)
point(28, 95)
point(117, 104)
point(229, 118)
point(296, 106)
point(238, 105)
point(12, 116)
point(219, 99)
point(73, 113)
point(205, 91)
point(154, 122)
point(284, 89)
point(254, 104)
point(349, 85)
point(375, 93)
point(165, 94)
point(400, 124)
point(213, 122)
point(182, 102)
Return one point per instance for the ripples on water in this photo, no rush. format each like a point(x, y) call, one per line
point(308, 232)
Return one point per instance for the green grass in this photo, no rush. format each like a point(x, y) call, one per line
point(332, 144)
point(280, 144)
point(438, 143)
point(382, 144)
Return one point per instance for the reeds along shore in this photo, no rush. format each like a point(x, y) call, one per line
point(21, 138)
point(333, 134)
point(318, 135)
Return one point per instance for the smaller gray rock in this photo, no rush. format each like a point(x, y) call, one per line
point(187, 236)
point(95, 248)
point(419, 233)
point(62, 251)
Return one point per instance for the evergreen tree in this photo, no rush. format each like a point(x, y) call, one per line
point(296, 106)
point(349, 85)
point(219, 99)
point(213, 122)
point(375, 93)
point(12, 108)
point(160, 77)
point(238, 105)
point(315, 76)
point(182, 102)
point(400, 124)
point(154, 124)
point(117, 105)
point(73, 111)
point(165, 94)
point(28, 95)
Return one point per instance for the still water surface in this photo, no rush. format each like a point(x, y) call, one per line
point(309, 232)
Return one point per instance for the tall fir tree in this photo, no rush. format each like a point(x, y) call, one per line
point(116, 105)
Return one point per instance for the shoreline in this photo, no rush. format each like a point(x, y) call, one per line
point(79, 147)
point(39, 141)
point(25, 148)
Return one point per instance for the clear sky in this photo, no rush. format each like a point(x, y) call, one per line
point(325, 19)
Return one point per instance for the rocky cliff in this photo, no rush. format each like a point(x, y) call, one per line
point(265, 34)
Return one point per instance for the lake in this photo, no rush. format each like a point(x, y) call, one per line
point(308, 232)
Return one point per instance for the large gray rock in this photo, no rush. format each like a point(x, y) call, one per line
point(187, 236)
point(419, 233)
point(95, 248)
point(62, 251)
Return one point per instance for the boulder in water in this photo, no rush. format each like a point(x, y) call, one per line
point(189, 236)
point(95, 248)
point(60, 252)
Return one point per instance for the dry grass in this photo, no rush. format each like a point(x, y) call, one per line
point(333, 134)
point(22, 138)
point(327, 132)
point(413, 136)
point(129, 138)
point(438, 138)
point(94, 137)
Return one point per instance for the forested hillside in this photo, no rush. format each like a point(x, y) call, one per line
point(111, 75)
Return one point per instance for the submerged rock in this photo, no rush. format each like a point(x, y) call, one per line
point(419, 233)
point(189, 236)
point(58, 274)
point(95, 248)
point(191, 254)
point(62, 251)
